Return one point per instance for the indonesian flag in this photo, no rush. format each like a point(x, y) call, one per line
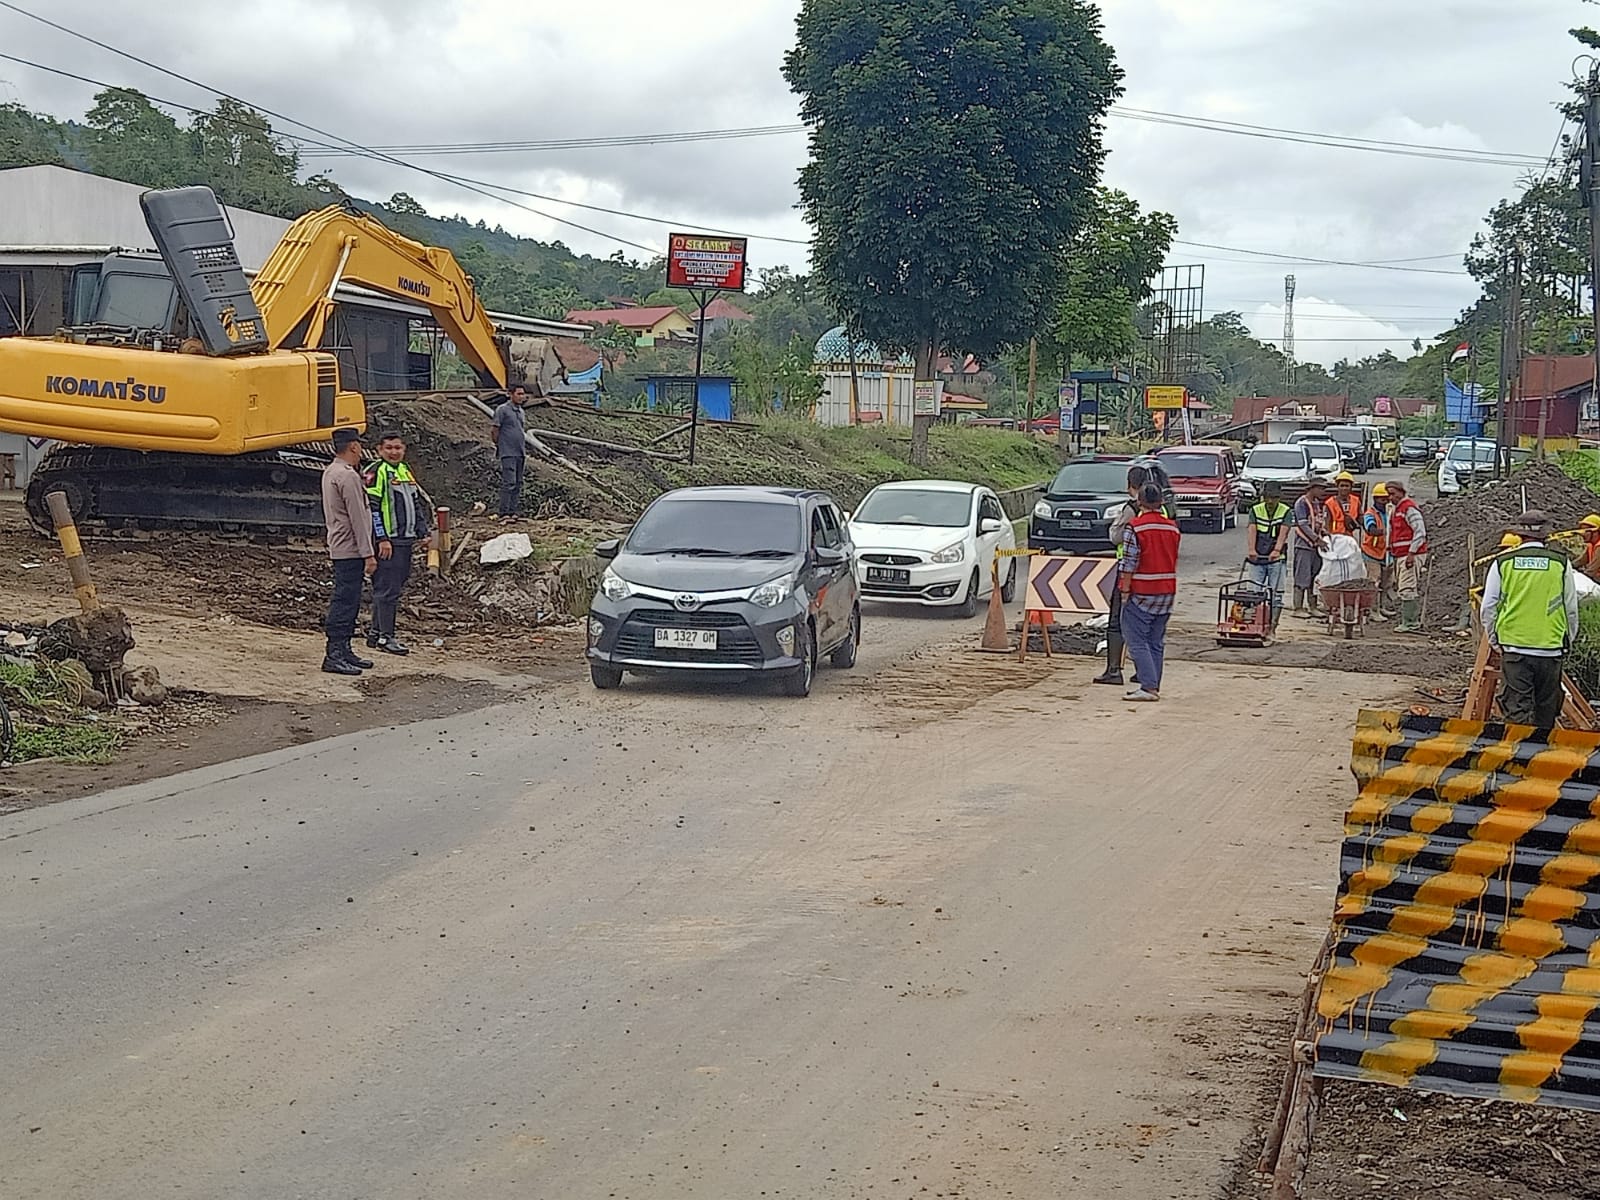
point(1462, 351)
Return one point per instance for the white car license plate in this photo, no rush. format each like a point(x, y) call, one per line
point(686, 639)
point(1186, 512)
point(1077, 524)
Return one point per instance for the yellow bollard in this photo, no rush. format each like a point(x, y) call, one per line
point(77, 564)
point(439, 552)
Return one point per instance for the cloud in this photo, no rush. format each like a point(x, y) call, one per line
point(412, 72)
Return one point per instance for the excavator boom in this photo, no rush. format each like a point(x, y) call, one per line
point(294, 289)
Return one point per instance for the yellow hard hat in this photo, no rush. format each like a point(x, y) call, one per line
point(1589, 522)
point(1510, 542)
point(1381, 491)
point(1344, 477)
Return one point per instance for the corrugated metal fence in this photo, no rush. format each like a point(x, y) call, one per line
point(1467, 953)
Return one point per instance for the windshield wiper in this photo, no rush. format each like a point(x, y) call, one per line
point(699, 551)
point(769, 554)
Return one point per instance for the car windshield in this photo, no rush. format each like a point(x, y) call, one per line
point(1415, 443)
point(1278, 460)
point(1348, 437)
point(1192, 466)
point(1321, 451)
point(1096, 479)
point(717, 528)
point(1476, 451)
point(915, 506)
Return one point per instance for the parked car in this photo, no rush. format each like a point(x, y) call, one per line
point(1083, 499)
point(737, 580)
point(1469, 461)
point(1206, 481)
point(1285, 463)
point(1361, 445)
point(1326, 458)
point(933, 542)
point(1416, 450)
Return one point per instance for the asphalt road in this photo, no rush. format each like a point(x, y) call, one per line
point(952, 926)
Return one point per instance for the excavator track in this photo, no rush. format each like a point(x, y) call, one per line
point(273, 495)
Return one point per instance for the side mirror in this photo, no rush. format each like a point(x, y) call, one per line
point(829, 556)
point(608, 549)
point(848, 517)
point(989, 525)
point(1438, 456)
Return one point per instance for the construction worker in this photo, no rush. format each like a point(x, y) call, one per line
point(1147, 579)
point(1530, 615)
point(400, 526)
point(1310, 536)
point(1408, 543)
point(1588, 561)
point(1344, 506)
point(1375, 543)
point(1112, 676)
point(1267, 545)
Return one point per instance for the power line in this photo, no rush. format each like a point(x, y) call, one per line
point(1325, 262)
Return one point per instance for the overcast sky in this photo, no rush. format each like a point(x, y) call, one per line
point(1478, 74)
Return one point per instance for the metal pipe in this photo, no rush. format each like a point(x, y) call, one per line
point(72, 548)
point(442, 524)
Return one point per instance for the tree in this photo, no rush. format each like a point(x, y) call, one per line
point(129, 138)
point(1108, 270)
point(403, 202)
point(955, 145)
point(27, 138)
point(245, 162)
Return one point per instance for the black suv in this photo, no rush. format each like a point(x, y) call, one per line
point(731, 580)
point(1081, 502)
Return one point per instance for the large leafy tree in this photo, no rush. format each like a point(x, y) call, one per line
point(129, 138)
point(955, 146)
point(28, 138)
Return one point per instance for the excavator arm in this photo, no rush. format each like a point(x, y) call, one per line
point(294, 289)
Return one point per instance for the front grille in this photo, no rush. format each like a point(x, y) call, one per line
point(736, 641)
point(891, 560)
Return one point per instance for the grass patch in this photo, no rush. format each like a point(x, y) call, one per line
point(43, 697)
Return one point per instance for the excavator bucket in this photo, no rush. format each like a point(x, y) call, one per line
point(196, 242)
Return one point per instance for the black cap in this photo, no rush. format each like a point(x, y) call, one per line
point(344, 437)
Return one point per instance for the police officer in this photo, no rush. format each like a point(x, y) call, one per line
point(400, 526)
point(1267, 545)
point(1530, 613)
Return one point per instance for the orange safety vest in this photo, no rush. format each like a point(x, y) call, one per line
point(1341, 519)
point(1158, 538)
point(1402, 533)
point(1375, 545)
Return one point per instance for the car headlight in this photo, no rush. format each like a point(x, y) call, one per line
point(1043, 509)
point(951, 554)
point(614, 586)
point(772, 593)
point(1114, 511)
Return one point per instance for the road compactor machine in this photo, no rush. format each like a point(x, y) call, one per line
point(197, 400)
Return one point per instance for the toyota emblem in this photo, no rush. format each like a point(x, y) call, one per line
point(686, 601)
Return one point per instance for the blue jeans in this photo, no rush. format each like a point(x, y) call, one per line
point(1146, 636)
point(1268, 576)
point(511, 473)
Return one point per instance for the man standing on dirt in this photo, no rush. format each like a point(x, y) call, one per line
point(1147, 580)
point(349, 522)
point(1310, 533)
point(1266, 545)
point(1344, 506)
point(1530, 612)
point(1375, 546)
point(1408, 543)
point(510, 434)
point(1137, 477)
point(400, 525)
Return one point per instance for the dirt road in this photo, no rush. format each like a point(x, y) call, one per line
point(963, 928)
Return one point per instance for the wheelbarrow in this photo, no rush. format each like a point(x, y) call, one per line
point(1349, 605)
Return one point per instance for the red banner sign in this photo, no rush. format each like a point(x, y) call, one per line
point(696, 260)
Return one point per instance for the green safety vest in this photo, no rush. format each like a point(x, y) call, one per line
point(1533, 610)
point(384, 477)
point(1268, 525)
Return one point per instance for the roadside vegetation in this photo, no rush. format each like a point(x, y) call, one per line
point(46, 720)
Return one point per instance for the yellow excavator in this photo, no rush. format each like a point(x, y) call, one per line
point(197, 400)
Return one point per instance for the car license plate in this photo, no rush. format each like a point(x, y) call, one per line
point(1186, 512)
point(686, 639)
point(1077, 524)
point(888, 575)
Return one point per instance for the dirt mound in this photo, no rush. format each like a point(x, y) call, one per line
point(1484, 513)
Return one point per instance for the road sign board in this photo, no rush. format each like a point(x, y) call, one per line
point(695, 260)
point(1166, 397)
point(1070, 585)
point(925, 398)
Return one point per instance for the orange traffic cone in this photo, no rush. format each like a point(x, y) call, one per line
point(996, 637)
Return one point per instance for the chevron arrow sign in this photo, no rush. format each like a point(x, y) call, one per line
point(1071, 585)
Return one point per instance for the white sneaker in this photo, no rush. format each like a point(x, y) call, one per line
point(1142, 697)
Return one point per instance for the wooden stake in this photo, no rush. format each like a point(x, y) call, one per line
point(442, 525)
point(72, 548)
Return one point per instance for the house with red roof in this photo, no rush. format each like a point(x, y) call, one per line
point(721, 316)
point(659, 323)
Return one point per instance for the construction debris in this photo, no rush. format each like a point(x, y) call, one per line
point(508, 547)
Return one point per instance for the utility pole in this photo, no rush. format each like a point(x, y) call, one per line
point(1591, 200)
point(1033, 382)
point(1510, 350)
point(1288, 335)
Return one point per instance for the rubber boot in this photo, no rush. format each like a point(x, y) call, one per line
point(1410, 617)
point(1113, 672)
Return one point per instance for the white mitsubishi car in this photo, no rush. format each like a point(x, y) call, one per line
point(932, 542)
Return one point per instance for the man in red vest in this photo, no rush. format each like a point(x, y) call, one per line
point(1148, 582)
point(1408, 543)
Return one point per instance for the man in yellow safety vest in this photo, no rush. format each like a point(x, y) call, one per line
point(1530, 615)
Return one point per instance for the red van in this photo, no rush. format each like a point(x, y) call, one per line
point(1206, 481)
